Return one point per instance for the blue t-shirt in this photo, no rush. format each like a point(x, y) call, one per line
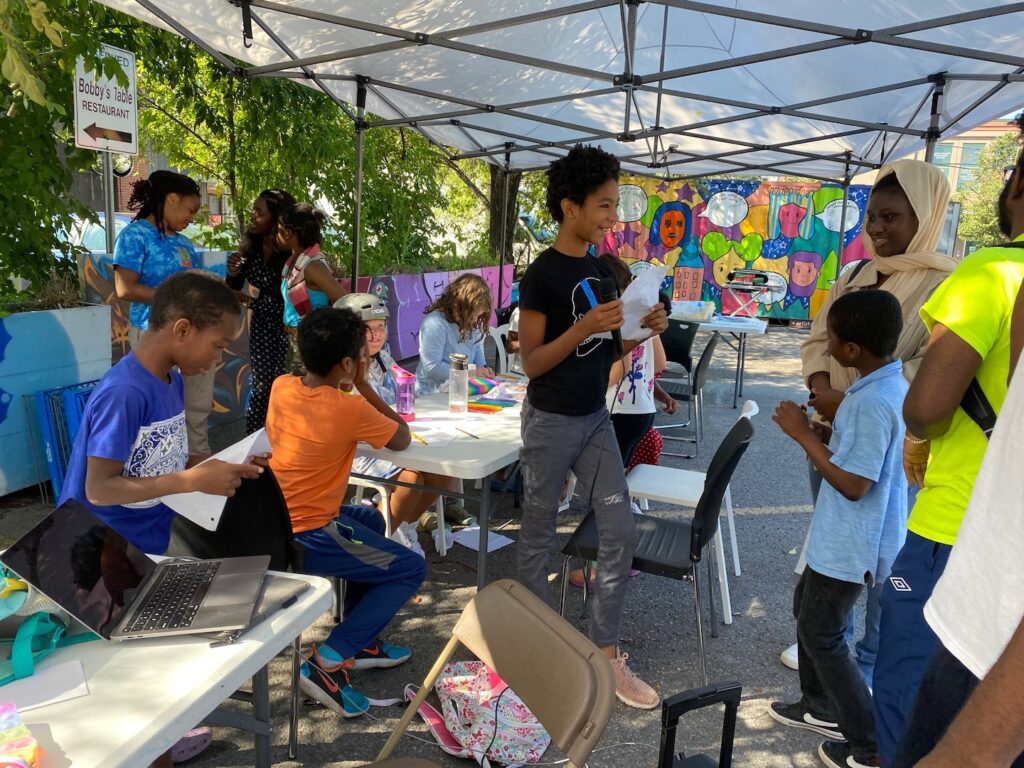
point(854, 540)
point(141, 248)
point(438, 339)
point(135, 418)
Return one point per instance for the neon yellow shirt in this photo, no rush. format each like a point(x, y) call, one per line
point(975, 302)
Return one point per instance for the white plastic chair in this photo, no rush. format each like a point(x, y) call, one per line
point(683, 487)
point(499, 335)
point(382, 488)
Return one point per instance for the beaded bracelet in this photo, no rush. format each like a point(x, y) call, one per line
point(914, 441)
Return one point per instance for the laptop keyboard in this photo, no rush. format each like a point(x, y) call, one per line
point(174, 600)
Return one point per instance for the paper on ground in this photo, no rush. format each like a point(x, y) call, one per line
point(470, 538)
point(51, 685)
point(205, 509)
point(637, 300)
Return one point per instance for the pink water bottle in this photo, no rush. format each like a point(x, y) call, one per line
point(405, 393)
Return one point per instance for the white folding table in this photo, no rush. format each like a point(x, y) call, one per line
point(496, 445)
point(144, 695)
point(738, 328)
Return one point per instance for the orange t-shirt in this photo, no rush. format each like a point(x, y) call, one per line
point(313, 433)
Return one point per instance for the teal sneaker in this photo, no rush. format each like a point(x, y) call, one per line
point(332, 689)
point(381, 655)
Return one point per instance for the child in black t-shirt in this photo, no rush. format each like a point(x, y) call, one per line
point(565, 421)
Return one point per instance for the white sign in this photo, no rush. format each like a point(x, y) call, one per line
point(106, 113)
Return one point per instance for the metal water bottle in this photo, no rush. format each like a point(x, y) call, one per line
point(458, 382)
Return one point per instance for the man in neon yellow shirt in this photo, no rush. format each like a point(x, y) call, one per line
point(969, 320)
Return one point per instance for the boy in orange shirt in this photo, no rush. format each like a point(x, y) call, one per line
point(314, 423)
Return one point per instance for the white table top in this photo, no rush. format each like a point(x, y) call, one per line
point(735, 324)
point(146, 694)
point(465, 457)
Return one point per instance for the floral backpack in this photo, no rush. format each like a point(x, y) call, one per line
point(481, 718)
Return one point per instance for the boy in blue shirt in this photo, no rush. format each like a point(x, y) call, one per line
point(858, 527)
point(132, 449)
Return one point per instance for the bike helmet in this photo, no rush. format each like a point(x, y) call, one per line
point(366, 305)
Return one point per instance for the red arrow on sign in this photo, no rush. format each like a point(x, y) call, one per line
point(110, 134)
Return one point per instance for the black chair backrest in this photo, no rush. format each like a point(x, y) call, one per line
point(700, 375)
point(255, 521)
point(719, 474)
point(678, 342)
point(676, 706)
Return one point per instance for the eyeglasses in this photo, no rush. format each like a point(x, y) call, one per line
point(1008, 173)
point(379, 333)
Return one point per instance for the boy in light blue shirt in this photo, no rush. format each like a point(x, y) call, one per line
point(859, 524)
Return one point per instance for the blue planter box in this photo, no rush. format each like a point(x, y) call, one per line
point(43, 350)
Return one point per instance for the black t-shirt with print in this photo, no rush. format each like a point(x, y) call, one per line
point(557, 286)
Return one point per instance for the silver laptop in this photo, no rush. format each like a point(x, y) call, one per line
point(116, 590)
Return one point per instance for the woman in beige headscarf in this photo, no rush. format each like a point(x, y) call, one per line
point(905, 215)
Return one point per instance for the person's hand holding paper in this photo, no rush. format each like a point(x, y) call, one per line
point(638, 299)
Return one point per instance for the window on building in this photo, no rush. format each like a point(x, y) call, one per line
point(943, 157)
point(968, 163)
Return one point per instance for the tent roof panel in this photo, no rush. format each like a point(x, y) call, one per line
point(540, 72)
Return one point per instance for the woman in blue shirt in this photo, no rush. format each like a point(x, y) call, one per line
point(306, 281)
point(147, 252)
point(456, 322)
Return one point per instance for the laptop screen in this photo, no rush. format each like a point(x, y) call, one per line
point(81, 564)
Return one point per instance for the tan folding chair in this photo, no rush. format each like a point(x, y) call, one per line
point(559, 674)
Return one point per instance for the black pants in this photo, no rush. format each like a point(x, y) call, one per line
point(830, 681)
point(945, 688)
point(629, 429)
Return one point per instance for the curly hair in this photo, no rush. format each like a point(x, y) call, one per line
point(200, 298)
point(278, 201)
point(872, 319)
point(305, 221)
point(327, 336)
point(578, 175)
point(462, 303)
point(150, 194)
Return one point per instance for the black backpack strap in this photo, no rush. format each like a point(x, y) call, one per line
point(977, 406)
point(857, 270)
point(1014, 244)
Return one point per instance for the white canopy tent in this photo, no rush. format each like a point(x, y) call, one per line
point(822, 90)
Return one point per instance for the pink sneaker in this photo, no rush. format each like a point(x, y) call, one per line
point(630, 689)
point(191, 744)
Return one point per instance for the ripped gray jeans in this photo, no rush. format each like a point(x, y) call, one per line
point(554, 443)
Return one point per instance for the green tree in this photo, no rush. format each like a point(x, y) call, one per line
point(39, 45)
point(978, 216)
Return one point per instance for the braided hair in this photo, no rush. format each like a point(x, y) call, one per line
point(149, 195)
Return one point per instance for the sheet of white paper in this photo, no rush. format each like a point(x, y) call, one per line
point(470, 538)
point(205, 509)
point(637, 300)
point(433, 434)
point(60, 682)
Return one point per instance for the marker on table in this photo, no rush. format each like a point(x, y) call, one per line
point(418, 438)
point(475, 437)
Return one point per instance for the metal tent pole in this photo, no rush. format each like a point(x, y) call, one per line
point(842, 213)
point(934, 131)
point(357, 212)
point(504, 224)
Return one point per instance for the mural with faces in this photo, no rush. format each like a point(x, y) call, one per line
point(801, 235)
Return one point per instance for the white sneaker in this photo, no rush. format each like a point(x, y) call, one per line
point(789, 657)
point(405, 535)
point(636, 508)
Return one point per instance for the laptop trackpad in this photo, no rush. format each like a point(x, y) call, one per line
point(232, 590)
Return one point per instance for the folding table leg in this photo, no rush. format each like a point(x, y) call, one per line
point(732, 532)
point(485, 518)
point(723, 577)
point(261, 714)
point(293, 703)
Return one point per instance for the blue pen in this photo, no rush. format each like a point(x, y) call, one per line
point(585, 286)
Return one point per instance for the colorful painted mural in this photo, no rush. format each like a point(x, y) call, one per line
point(703, 230)
point(406, 296)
